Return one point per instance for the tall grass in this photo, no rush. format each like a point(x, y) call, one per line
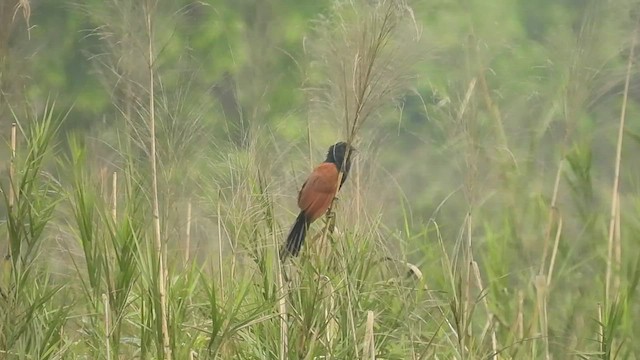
point(159, 239)
point(33, 312)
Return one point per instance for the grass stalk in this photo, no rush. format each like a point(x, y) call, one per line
point(369, 345)
point(601, 332)
point(617, 246)
point(467, 309)
point(220, 263)
point(332, 324)
point(114, 196)
point(6, 257)
point(187, 247)
point(282, 309)
point(12, 165)
point(160, 246)
point(520, 316)
point(541, 302)
point(553, 216)
point(358, 192)
point(554, 252)
point(616, 176)
point(489, 325)
point(107, 325)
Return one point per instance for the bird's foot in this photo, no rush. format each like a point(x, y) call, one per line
point(331, 221)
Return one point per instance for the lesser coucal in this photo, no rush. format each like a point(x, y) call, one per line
point(317, 193)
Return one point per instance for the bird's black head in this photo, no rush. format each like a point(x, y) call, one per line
point(337, 154)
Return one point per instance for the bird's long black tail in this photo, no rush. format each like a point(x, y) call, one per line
point(296, 237)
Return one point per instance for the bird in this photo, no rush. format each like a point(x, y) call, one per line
point(317, 193)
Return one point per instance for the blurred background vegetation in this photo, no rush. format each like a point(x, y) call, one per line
point(504, 131)
point(552, 73)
